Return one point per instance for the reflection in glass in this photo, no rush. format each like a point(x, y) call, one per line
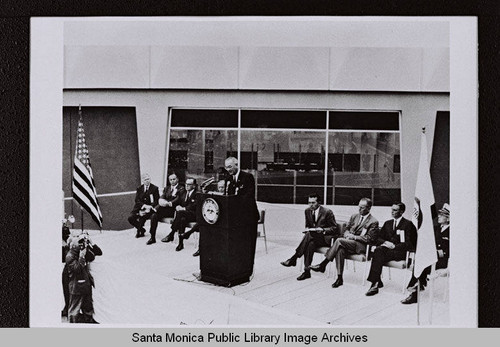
point(289, 164)
point(361, 161)
point(200, 153)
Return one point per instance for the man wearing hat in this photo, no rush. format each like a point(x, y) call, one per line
point(442, 235)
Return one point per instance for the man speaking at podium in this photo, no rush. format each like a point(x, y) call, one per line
point(242, 184)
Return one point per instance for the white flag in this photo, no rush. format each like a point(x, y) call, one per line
point(423, 212)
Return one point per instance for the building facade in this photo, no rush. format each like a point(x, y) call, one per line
point(335, 108)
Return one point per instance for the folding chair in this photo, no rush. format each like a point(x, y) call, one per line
point(322, 250)
point(262, 220)
point(362, 258)
point(437, 274)
point(406, 264)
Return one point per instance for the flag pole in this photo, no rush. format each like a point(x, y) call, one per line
point(81, 208)
point(81, 216)
point(71, 164)
point(418, 302)
point(432, 277)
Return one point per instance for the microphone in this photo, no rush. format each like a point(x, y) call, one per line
point(207, 182)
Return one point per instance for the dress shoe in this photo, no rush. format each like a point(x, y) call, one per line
point(137, 234)
point(185, 236)
point(179, 247)
point(304, 275)
point(318, 267)
point(289, 262)
point(411, 299)
point(372, 291)
point(167, 238)
point(380, 284)
point(150, 241)
point(197, 253)
point(142, 231)
point(338, 283)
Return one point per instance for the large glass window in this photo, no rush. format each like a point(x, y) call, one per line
point(200, 153)
point(290, 164)
point(294, 153)
point(363, 164)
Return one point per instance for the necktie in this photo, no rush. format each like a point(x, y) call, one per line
point(394, 226)
point(314, 217)
point(187, 196)
point(146, 188)
point(361, 220)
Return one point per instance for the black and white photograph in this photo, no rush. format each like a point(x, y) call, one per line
point(253, 172)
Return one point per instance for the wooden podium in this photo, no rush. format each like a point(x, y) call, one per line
point(226, 252)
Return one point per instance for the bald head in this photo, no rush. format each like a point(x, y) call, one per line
point(231, 165)
point(146, 179)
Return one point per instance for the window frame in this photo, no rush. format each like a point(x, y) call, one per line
point(326, 131)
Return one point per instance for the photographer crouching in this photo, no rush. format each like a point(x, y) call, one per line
point(80, 282)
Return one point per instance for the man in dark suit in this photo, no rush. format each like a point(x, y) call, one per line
point(321, 228)
point(242, 184)
point(185, 213)
point(166, 205)
point(80, 282)
point(146, 197)
point(442, 236)
point(397, 236)
point(361, 230)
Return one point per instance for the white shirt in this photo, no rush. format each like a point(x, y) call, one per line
point(316, 214)
point(174, 189)
point(235, 177)
point(397, 222)
point(363, 218)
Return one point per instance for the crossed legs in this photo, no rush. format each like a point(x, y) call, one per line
point(306, 248)
point(340, 249)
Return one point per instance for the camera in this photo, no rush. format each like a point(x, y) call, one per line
point(83, 242)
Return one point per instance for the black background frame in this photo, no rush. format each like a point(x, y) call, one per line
point(14, 113)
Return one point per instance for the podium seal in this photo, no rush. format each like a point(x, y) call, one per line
point(210, 211)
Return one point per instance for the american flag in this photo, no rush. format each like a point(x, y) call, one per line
point(83, 181)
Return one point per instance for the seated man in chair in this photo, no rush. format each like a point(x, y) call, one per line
point(185, 213)
point(361, 230)
point(442, 236)
point(397, 236)
point(146, 197)
point(321, 228)
point(166, 205)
